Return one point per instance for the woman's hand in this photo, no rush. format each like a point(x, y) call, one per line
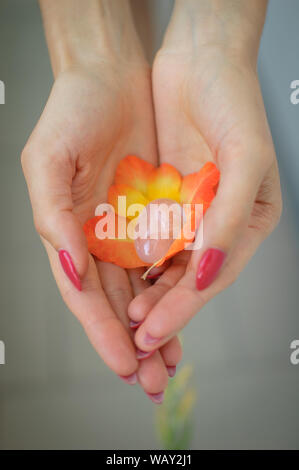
point(99, 110)
point(208, 106)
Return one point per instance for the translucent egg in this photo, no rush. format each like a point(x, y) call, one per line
point(157, 226)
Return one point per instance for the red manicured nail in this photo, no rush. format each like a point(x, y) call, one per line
point(129, 379)
point(135, 324)
point(171, 370)
point(157, 398)
point(208, 267)
point(148, 339)
point(144, 354)
point(69, 268)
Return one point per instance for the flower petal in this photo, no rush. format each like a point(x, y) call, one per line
point(164, 182)
point(200, 186)
point(180, 243)
point(118, 251)
point(134, 172)
point(197, 188)
point(133, 196)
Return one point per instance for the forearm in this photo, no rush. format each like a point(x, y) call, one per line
point(84, 32)
point(234, 25)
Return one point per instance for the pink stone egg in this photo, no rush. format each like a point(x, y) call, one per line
point(158, 225)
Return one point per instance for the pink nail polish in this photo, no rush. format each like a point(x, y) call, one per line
point(135, 324)
point(148, 339)
point(157, 398)
point(143, 354)
point(171, 370)
point(69, 268)
point(209, 267)
point(154, 276)
point(129, 379)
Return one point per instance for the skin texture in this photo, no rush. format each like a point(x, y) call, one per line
point(201, 102)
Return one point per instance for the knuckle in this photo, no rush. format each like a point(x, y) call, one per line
point(267, 217)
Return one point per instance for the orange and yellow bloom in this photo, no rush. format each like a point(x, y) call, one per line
point(141, 183)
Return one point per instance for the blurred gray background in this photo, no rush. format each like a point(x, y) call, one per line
point(54, 390)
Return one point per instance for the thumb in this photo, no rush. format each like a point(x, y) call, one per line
point(226, 219)
point(49, 180)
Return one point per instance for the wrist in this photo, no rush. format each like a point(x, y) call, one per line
point(85, 33)
point(230, 26)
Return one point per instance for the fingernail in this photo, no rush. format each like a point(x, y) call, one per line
point(148, 339)
point(129, 379)
point(156, 397)
point(69, 268)
point(154, 276)
point(171, 370)
point(134, 324)
point(143, 354)
point(209, 267)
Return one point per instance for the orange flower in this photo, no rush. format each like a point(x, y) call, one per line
point(142, 183)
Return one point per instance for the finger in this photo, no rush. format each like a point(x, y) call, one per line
point(117, 287)
point(49, 179)
point(142, 304)
point(91, 307)
point(172, 353)
point(227, 220)
point(139, 286)
point(153, 377)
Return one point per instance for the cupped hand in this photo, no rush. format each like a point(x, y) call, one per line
point(209, 107)
point(94, 117)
